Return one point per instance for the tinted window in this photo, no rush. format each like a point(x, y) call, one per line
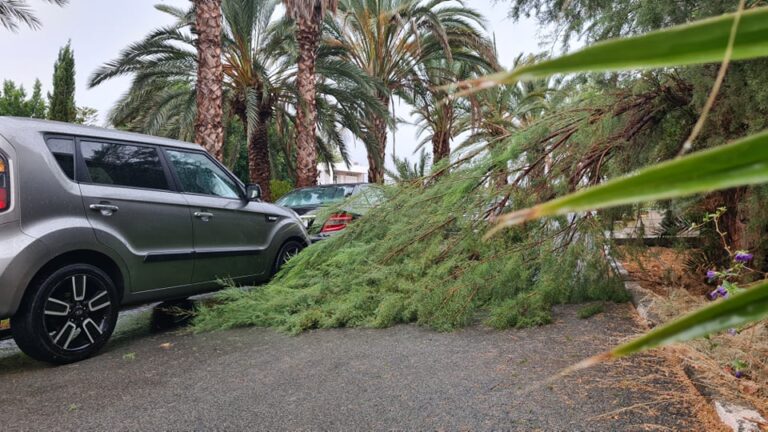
point(123, 165)
point(63, 150)
point(312, 197)
point(198, 174)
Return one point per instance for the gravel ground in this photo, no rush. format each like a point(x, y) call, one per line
point(402, 378)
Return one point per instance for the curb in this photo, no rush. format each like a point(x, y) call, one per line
point(733, 416)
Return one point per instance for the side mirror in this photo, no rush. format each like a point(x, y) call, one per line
point(253, 192)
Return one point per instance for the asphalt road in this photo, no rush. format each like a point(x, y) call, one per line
point(402, 378)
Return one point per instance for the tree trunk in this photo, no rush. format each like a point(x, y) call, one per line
point(377, 160)
point(209, 129)
point(441, 140)
point(733, 218)
point(259, 169)
point(308, 38)
point(441, 146)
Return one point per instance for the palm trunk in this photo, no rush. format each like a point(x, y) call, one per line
point(308, 38)
point(209, 129)
point(376, 161)
point(441, 140)
point(259, 169)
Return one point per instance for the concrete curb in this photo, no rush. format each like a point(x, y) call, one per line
point(735, 417)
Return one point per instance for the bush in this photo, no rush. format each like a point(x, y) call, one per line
point(279, 188)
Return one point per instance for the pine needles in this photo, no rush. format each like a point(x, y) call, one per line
point(419, 257)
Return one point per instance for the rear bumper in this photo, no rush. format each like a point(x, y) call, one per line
point(320, 237)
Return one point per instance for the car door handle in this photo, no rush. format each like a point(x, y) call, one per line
point(204, 216)
point(105, 209)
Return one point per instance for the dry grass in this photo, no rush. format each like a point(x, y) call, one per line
point(662, 270)
point(712, 358)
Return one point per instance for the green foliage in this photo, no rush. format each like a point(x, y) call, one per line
point(418, 257)
point(736, 164)
point(14, 101)
point(404, 171)
point(695, 43)
point(595, 20)
point(280, 188)
point(259, 54)
point(744, 162)
point(591, 310)
point(15, 12)
point(62, 101)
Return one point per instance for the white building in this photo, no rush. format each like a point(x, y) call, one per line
point(341, 173)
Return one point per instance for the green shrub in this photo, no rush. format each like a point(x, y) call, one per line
point(279, 188)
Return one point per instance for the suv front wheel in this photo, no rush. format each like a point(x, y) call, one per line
point(288, 251)
point(68, 315)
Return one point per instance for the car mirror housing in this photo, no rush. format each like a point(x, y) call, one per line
point(253, 192)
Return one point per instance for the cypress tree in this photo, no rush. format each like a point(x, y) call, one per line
point(62, 101)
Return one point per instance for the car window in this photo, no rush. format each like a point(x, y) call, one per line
point(370, 194)
point(123, 165)
point(318, 196)
point(198, 174)
point(63, 150)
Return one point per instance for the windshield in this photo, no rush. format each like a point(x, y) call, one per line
point(315, 197)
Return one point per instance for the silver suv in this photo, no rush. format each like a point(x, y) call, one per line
point(92, 220)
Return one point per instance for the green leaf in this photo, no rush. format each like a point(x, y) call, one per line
point(748, 306)
point(699, 42)
point(744, 162)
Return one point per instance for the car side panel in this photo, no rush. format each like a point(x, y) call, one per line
point(287, 227)
point(151, 230)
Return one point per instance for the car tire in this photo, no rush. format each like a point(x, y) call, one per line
point(288, 250)
point(67, 314)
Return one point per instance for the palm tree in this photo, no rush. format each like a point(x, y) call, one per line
point(388, 39)
point(13, 12)
point(308, 16)
point(499, 112)
point(259, 61)
point(438, 116)
point(209, 129)
point(405, 172)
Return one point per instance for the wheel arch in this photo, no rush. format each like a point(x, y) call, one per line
point(83, 256)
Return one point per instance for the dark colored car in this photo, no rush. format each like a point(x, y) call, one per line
point(353, 199)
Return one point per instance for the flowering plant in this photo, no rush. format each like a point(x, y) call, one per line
point(727, 278)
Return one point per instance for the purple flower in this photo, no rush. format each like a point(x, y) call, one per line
point(732, 332)
point(738, 374)
point(743, 257)
point(711, 275)
point(719, 292)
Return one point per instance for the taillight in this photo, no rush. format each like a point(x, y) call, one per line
point(5, 193)
point(337, 222)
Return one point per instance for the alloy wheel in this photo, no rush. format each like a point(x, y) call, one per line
point(289, 254)
point(76, 313)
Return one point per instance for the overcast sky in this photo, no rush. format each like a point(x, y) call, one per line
point(99, 29)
